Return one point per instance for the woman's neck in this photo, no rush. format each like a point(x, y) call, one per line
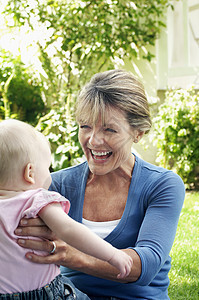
point(116, 176)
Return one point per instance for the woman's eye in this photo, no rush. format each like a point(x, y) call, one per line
point(110, 130)
point(84, 126)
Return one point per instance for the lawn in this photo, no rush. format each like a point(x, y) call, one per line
point(184, 274)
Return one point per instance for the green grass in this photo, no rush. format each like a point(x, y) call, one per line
point(184, 274)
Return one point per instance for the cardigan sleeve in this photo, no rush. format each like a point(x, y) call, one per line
point(163, 204)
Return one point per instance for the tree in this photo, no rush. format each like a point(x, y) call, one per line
point(83, 37)
point(86, 35)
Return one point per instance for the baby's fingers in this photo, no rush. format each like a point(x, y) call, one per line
point(126, 270)
point(123, 274)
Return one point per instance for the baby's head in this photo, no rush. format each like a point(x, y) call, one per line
point(24, 157)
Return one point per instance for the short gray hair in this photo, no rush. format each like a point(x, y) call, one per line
point(118, 89)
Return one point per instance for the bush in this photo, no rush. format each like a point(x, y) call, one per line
point(20, 91)
point(25, 99)
point(60, 128)
point(176, 128)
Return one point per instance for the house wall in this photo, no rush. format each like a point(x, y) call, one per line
point(176, 62)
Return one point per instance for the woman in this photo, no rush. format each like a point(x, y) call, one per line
point(132, 204)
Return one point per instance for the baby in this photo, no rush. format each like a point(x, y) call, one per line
point(25, 159)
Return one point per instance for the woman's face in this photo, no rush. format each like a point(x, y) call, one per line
point(107, 147)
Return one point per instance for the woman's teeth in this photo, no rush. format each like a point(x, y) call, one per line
point(100, 153)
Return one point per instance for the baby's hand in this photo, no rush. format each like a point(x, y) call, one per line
point(123, 262)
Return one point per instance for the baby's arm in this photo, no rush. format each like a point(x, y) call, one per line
point(80, 237)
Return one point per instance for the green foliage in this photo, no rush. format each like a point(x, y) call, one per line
point(61, 130)
point(20, 92)
point(80, 38)
point(100, 27)
point(177, 134)
point(83, 36)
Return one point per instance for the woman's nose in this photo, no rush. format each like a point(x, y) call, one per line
point(96, 138)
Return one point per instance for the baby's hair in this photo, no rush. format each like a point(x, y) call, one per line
point(19, 145)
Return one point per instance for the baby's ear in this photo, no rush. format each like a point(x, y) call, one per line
point(29, 175)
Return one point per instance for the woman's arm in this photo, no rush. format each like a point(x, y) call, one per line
point(79, 236)
point(68, 256)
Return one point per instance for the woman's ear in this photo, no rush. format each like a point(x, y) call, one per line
point(29, 173)
point(138, 136)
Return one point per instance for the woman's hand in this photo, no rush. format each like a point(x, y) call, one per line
point(37, 228)
point(34, 227)
point(63, 255)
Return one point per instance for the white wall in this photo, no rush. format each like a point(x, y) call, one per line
point(180, 66)
point(176, 64)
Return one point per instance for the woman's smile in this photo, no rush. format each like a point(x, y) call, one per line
point(100, 155)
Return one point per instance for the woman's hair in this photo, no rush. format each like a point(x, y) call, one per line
point(118, 89)
point(19, 145)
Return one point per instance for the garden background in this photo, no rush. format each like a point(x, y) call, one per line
point(50, 48)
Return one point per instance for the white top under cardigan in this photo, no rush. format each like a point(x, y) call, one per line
point(102, 229)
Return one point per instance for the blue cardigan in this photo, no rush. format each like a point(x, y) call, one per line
point(148, 225)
